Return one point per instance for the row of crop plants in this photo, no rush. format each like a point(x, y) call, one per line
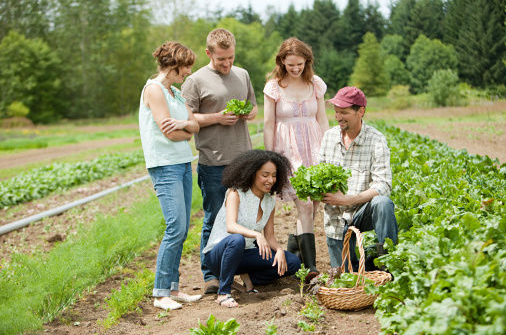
point(39, 182)
point(34, 289)
point(449, 266)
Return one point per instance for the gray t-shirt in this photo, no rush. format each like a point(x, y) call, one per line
point(208, 91)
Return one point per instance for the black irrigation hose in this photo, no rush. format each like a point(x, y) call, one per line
point(55, 211)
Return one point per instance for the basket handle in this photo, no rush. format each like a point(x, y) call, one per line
point(346, 255)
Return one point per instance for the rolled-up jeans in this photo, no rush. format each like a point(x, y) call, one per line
point(173, 186)
point(213, 194)
point(378, 215)
point(229, 258)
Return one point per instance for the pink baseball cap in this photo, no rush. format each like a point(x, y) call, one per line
point(349, 96)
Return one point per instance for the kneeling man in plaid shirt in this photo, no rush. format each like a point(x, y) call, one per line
point(363, 150)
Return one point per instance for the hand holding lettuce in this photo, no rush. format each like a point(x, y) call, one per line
point(315, 181)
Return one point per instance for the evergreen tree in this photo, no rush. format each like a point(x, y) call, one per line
point(288, 24)
point(368, 73)
point(315, 26)
point(29, 17)
point(245, 15)
point(351, 27)
point(335, 68)
point(393, 45)
point(411, 18)
point(426, 57)
point(374, 21)
point(476, 29)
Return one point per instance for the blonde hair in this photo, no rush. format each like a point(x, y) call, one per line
point(220, 38)
point(293, 46)
point(173, 56)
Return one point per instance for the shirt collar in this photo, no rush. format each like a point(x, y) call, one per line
point(359, 140)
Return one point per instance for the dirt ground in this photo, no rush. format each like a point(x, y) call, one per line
point(279, 302)
point(477, 137)
point(48, 154)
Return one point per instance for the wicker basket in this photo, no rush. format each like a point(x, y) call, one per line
point(353, 298)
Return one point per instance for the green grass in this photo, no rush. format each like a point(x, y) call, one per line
point(15, 140)
point(72, 158)
point(35, 289)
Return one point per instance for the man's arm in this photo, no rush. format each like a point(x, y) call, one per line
point(381, 183)
point(340, 199)
point(206, 120)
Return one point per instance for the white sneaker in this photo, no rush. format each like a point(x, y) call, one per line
point(188, 298)
point(167, 304)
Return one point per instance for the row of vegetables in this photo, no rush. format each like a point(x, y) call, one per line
point(39, 182)
point(449, 266)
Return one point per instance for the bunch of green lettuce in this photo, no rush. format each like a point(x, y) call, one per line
point(239, 107)
point(315, 181)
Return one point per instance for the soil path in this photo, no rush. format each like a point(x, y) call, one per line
point(36, 155)
point(279, 302)
point(479, 137)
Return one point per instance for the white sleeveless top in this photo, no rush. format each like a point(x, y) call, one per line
point(248, 211)
point(158, 149)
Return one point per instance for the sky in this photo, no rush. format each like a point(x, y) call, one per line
point(281, 6)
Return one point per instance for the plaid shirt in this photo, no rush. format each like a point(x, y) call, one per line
point(368, 158)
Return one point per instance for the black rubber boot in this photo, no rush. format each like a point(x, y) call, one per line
point(308, 254)
point(369, 261)
point(293, 245)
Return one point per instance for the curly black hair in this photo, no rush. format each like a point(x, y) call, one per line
point(240, 173)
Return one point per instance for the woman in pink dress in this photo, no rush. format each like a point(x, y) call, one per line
point(294, 123)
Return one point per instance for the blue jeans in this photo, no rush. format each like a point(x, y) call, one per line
point(173, 186)
point(213, 195)
point(229, 258)
point(378, 215)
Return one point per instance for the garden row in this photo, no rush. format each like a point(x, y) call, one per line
point(39, 182)
point(449, 267)
point(36, 288)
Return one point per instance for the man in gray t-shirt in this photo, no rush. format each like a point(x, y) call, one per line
point(222, 136)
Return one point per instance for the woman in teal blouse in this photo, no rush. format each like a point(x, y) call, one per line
point(166, 125)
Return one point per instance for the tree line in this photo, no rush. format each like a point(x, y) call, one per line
point(90, 58)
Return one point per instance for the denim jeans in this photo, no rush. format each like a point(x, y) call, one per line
point(173, 186)
point(229, 258)
point(378, 215)
point(213, 195)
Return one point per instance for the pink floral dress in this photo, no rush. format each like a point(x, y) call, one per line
point(297, 134)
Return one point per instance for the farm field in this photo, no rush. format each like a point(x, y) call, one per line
point(278, 302)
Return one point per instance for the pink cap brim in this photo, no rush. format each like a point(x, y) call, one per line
point(339, 103)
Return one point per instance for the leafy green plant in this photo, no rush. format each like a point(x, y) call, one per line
point(302, 274)
point(448, 266)
point(214, 326)
point(128, 297)
point(50, 282)
point(271, 328)
point(315, 181)
point(307, 327)
point(39, 182)
point(239, 107)
point(312, 311)
point(347, 280)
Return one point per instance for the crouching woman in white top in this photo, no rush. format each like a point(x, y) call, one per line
point(242, 240)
